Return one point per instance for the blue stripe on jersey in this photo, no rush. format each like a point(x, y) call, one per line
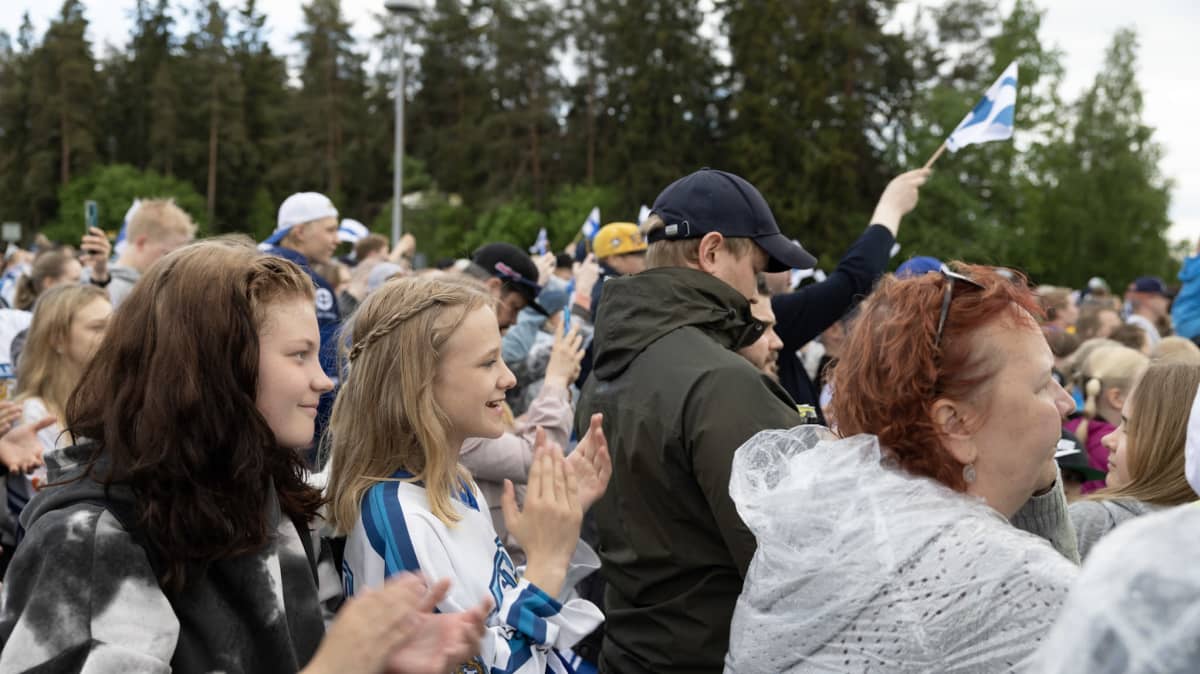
point(527, 614)
point(467, 496)
point(519, 653)
point(383, 520)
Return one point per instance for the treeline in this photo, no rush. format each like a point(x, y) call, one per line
point(526, 113)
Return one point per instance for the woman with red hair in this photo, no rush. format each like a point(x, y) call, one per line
point(899, 546)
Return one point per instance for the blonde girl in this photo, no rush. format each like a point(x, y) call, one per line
point(1109, 374)
point(1146, 454)
point(68, 325)
point(424, 374)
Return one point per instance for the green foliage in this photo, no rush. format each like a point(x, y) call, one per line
point(114, 188)
point(818, 103)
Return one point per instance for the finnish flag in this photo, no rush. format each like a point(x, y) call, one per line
point(542, 244)
point(592, 224)
point(121, 243)
point(992, 118)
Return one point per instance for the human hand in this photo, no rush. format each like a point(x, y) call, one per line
point(96, 251)
point(565, 357)
point(591, 464)
point(404, 250)
point(586, 273)
point(9, 413)
point(548, 526)
point(441, 641)
point(20, 449)
point(899, 198)
point(545, 266)
point(373, 625)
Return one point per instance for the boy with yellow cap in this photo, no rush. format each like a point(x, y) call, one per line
point(621, 250)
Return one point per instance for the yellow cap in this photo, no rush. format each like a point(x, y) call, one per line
point(618, 238)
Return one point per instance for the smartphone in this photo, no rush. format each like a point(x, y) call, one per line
point(91, 216)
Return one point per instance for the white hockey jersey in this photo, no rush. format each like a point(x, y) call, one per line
point(528, 631)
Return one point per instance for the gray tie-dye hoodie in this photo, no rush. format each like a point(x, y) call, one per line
point(81, 596)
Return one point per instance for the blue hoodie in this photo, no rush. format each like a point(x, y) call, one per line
point(1185, 310)
point(329, 321)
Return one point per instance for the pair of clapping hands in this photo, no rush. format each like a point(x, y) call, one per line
point(559, 490)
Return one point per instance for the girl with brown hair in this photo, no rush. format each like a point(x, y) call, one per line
point(176, 535)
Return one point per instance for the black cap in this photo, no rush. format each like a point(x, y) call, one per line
point(513, 265)
point(717, 201)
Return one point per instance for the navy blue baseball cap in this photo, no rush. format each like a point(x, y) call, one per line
point(718, 201)
point(1150, 284)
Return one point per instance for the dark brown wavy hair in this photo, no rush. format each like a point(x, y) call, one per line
point(890, 373)
point(169, 402)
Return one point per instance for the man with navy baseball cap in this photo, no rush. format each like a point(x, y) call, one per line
point(717, 201)
point(1149, 306)
point(677, 401)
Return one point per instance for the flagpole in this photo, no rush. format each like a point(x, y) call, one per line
point(935, 156)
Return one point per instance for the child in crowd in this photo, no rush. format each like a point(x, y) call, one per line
point(1107, 377)
point(68, 325)
point(424, 374)
point(1146, 454)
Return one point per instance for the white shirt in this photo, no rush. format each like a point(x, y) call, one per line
point(528, 631)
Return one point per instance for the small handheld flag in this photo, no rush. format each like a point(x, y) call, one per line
point(592, 224)
point(991, 119)
point(121, 243)
point(542, 244)
point(643, 213)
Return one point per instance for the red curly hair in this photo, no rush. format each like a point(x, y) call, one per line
point(891, 374)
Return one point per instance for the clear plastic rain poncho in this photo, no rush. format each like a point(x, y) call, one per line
point(862, 566)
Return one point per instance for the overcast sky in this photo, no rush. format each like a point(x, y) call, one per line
point(1168, 30)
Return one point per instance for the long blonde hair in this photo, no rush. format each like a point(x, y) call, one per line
point(1156, 435)
point(385, 417)
point(1108, 368)
point(42, 371)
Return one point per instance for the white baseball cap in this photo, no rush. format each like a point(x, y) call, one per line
point(298, 209)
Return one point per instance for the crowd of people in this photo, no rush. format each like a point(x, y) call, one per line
point(657, 451)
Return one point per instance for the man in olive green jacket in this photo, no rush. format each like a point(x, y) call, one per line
point(677, 401)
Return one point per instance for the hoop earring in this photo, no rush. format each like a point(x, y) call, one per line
point(969, 473)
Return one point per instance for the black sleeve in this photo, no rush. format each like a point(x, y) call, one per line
point(806, 313)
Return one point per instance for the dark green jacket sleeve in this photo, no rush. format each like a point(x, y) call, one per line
point(726, 408)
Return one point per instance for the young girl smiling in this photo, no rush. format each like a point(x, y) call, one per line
point(425, 374)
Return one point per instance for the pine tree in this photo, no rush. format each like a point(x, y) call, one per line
point(266, 99)
point(1109, 197)
point(656, 99)
point(818, 91)
point(523, 37)
point(216, 111)
point(329, 106)
point(65, 88)
point(16, 145)
point(452, 98)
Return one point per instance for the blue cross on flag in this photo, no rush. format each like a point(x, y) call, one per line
point(992, 118)
point(592, 224)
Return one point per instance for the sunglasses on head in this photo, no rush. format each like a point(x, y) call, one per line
point(950, 277)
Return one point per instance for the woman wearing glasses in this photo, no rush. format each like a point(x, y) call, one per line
point(899, 547)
